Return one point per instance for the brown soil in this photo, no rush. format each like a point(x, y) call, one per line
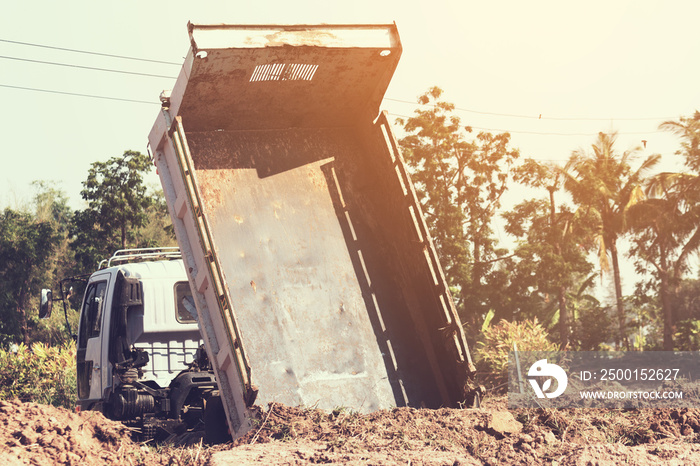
point(45, 435)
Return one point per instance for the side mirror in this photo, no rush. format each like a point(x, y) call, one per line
point(46, 304)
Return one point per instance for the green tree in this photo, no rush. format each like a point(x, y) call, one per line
point(667, 225)
point(157, 230)
point(117, 207)
point(688, 129)
point(685, 303)
point(649, 317)
point(26, 249)
point(604, 183)
point(594, 327)
point(661, 229)
point(550, 243)
point(686, 184)
point(88, 241)
point(51, 205)
point(460, 182)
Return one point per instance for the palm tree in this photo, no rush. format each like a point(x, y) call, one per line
point(687, 185)
point(604, 184)
point(667, 225)
point(663, 227)
point(688, 128)
point(553, 245)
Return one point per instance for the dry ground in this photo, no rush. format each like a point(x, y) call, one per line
point(44, 435)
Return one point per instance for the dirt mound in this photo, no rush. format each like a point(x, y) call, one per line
point(44, 435)
point(491, 436)
point(37, 434)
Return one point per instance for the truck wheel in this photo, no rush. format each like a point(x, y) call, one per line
point(215, 424)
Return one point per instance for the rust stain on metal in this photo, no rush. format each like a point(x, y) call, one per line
point(210, 184)
point(317, 179)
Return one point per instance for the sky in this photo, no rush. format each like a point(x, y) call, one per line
point(551, 73)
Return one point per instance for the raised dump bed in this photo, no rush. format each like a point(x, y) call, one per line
point(315, 278)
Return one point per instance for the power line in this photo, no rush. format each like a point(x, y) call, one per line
point(51, 91)
point(538, 133)
point(76, 94)
point(462, 109)
point(86, 67)
point(90, 53)
point(541, 133)
point(532, 117)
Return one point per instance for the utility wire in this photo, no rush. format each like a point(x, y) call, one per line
point(386, 98)
point(90, 53)
point(641, 133)
point(532, 117)
point(76, 94)
point(462, 109)
point(86, 67)
point(50, 91)
point(538, 133)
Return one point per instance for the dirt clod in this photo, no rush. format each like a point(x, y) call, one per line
point(503, 422)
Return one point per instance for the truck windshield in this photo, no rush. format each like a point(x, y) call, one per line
point(184, 303)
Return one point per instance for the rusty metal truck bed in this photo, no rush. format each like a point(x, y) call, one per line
point(316, 280)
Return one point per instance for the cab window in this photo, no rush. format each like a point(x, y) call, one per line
point(184, 303)
point(91, 320)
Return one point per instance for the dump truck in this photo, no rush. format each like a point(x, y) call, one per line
point(305, 273)
point(314, 277)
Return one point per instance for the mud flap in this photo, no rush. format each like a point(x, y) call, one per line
point(215, 426)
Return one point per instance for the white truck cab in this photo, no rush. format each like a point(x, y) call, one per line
point(160, 324)
point(138, 341)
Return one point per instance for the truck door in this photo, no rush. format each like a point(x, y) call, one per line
point(89, 351)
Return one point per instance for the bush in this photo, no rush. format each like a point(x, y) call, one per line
point(40, 373)
point(53, 331)
point(497, 341)
point(593, 328)
point(687, 336)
